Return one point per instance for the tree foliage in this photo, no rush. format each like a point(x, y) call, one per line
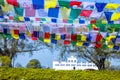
point(34, 63)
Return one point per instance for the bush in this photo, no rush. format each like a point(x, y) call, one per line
point(5, 61)
point(47, 74)
point(34, 63)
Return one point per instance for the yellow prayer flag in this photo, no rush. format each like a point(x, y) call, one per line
point(104, 22)
point(110, 46)
point(21, 18)
point(112, 6)
point(115, 16)
point(57, 37)
point(15, 36)
point(50, 4)
point(28, 33)
point(83, 38)
point(48, 19)
point(47, 40)
point(7, 7)
point(79, 44)
point(94, 26)
point(108, 39)
point(65, 12)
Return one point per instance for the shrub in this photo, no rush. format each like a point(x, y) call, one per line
point(5, 61)
point(48, 74)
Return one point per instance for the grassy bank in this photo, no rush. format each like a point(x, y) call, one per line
point(45, 74)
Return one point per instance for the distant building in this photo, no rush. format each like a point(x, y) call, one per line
point(72, 64)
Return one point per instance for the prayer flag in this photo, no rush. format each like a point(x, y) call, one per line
point(100, 6)
point(79, 43)
point(112, 6)
point(13, 2)
point(66, 42)
point(46, 35)
point(75, 3)
point(64, 3)
point(53, 12)
point(86, 13)
point(50, 4)
point(73, 37)
point(74, 13)
point(38, 4)
point(57, 37)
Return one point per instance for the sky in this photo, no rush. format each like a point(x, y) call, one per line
point(46, 57)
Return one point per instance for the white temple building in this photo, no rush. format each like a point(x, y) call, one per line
point(72, 64)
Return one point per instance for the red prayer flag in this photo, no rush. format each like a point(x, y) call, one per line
point(47, 35)
point(68, 36)
point(34, 38)
point(98, 37)
point(37, 19)
point(72, 3)
point(66, 42)
point(73, 37)
point(11, 17)
point(98, 45)
point(16, 32)
point(93, 22)
point(13, 2)
point(86, 13)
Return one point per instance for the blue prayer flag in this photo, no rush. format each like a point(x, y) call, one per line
point(100, 6)
point(53, 12)
point(38, 4)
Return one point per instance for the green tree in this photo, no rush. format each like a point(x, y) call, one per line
point(34, 63)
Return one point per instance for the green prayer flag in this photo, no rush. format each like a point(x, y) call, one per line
point(73, 43)
point(53, 36)
point(74, 13)
point(19, 11)
point(78, 37)
point(43, 19)
point(70, 21)
point(64, 3)
point(2, 2)
point(16, 18)
point(41, 39)
point(104, 46)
